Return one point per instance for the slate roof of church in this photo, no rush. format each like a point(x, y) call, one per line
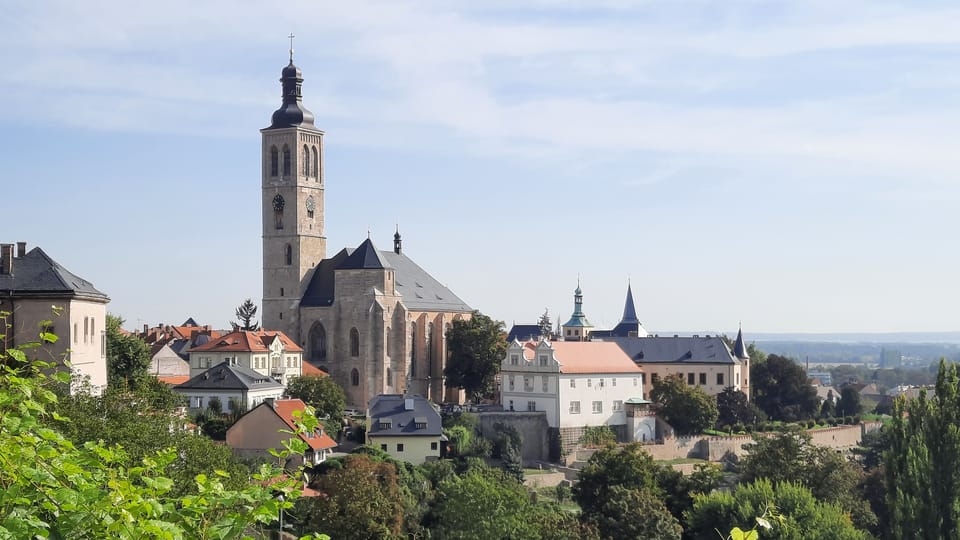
point(673, 350)
point(35, 273)
point(420, 290)
point(225, 376)
point(402, 422)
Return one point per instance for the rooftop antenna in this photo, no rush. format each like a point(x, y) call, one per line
point(291, 36)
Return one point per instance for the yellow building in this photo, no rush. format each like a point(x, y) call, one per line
point(406, 427)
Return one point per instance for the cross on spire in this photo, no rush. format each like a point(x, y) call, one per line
point(291, 36)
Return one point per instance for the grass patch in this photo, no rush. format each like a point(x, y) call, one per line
point(681, 461)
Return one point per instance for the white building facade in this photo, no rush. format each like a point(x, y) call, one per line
point(269, 353)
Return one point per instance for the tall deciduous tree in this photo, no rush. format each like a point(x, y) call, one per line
point(781, 389)
point(688, 409)
point(734, 408)
point(324, 395)
point(849, 403)
point(476, 346)
point(628, 466)
point(246, 313)
point(128, 357)
point(635, 514)
point(923, 462)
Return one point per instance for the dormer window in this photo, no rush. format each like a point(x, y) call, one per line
point(543, 360)
point(420, 422)
point(514, 359)
point(385, 423)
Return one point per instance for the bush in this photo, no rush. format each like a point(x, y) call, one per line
point(738, 428)
point(857, 419)
point(811, 424)
point(727, 428)
point(847, 419)
point(598, 436)
point(748, 428)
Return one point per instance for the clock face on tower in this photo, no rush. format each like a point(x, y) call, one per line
point(278, 202)
point(311, 204)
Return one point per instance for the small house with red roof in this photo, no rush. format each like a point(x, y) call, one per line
point(266, 426)
point(577, 384)
point(268, 352)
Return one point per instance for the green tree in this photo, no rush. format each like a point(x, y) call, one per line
point(849, 404)
point(324, 395)
point(546, 327)
point(923, 462)
point(54, 488)
point(476, 346)
point(246, 313)
point(128, 357)
point(628, 466)
point(688, 409)
point(802, 517)
point(781, 389)
point(792, 457)
point(733, 407)
point(481, 504)
point(635, 514)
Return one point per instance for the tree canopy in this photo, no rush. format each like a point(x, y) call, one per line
point(781, 389)
point(849, 403)
point(688, 409)
point(128, 357)
point(246, 312)
point(476, 346)
point(324, 395)
point(733, 408)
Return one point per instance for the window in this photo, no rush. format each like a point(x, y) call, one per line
point(543, 360)
point(316, 163)
point(618, 405)
point(399, 447)
point(597, 407)
point(528, 384)
point(306, 160)
point(720, 379)
point(86, 328)
point(355, 377)
point(532, 406)
point(383, 447)
point(413, 349)
point(654, 378)
point(197, 402)
point(703, 378)
point(281, 291)
point(613, 381)
point(274, 161)
point(510, 380)
point(389, 377)
point(433, 446)
point(511, 404)
point(573, 383)
point(601, 383)
point(690, 377)
point(589, 383)
point(103, 343)
point(514, 359)
point(386, 343)
point(546, 384)
point(568, 332)
point(738, 377)
point(76, 335)
point(286, 161)
point(574, 407)
point(354, 342)
point(288, 255)
point(318, 342)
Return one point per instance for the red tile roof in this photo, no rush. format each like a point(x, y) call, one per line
point(310, 370)
point(587, 357)
point(285, 408)
point(174, 380)
point(247, 341)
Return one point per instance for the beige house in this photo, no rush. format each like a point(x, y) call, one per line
point(406, 427)
point(268, 352)
point(263, 428)
point(35, 288)
point(374, 320)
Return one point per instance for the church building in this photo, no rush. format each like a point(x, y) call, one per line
point(374, 320)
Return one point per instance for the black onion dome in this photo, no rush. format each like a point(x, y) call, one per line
point(291, 113)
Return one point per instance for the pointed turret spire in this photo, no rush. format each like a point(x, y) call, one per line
point(396, 240)
point(629, 311)
point(739, 348)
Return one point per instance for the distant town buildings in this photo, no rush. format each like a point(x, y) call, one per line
point(36, 288)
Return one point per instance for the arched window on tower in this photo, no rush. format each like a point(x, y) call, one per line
point(274, 161)
point(288, 255)
point(354, 342)
point(306, 160)
point(387, 344)
point(355, 377)
point(286, 160)
point(318, 342)
point(429, 340)
point(316, 163)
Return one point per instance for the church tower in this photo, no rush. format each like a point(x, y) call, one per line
point(292, 206)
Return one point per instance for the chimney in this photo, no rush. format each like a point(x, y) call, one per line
point(21, 249)
point(146, 327)
point(408, 404)
point(6, 259)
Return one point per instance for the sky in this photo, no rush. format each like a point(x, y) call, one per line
point(791, 166)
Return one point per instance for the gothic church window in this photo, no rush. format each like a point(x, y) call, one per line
point(288, 255)
point(306, 160)
point(413, 349)
point(274, 161)
point(286, 161)
point(316, 163)
point(354, 342)
point(355, 377)
point(318, 342)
